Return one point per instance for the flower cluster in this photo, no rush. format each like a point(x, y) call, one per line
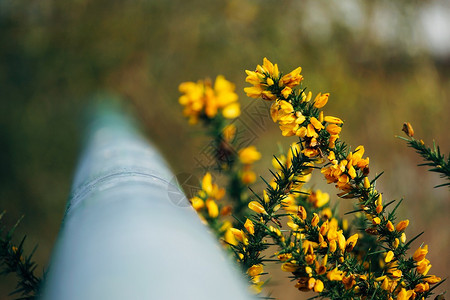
point(293, 110)
point(321, 250)
point(205, 202)
point(203, 100)
point(317, 252)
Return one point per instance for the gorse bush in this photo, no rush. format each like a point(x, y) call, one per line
point(323, 252)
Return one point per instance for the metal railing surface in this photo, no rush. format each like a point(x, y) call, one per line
point(123, 237)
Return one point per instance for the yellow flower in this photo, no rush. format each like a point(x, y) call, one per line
point(306, 97)
point(254, 91)
point(229, 132)
point(403, 238)
point(249, 155)
point(257, 207)
point(254, 78)
point(349, 281)
point(321, 100)
point(402, 225)
point(248, 177)
point(318, 287)
point(284, 256)
point(366, 183)
point(317, 125)
point(385, 284)
point(197, 203)
point(396, 273)
point(420, 253)
point(229, 237)
point(351, 242)
point(239, 235)
point(376, 221)
point(333, 120)
point(249, 226)
point(423, 266)
point(407, 128)
point(327, 213)
point(335, 275)
point(263, 77)
point(315, 220)
point(334, 129)
point(213, 210)
point(404, 295)
point(282, 111)
point(333, 246)
point(318, 199)
point(255, 270)
point(389, 256)
point(202, 97)
point(232, 111)
point(432, 279)
point(341, 240)
point(421, 287)
point(269, 69)
point(301, 213)
point(292, 79)
point(390, 226)
point(289, 267)
point(286, 92)
point(207, 185)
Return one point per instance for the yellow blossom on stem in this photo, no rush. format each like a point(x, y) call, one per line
point(390, 226)
point(423, 266)
point(197, 203)
point(333, 120)
point(255, 270)
point(213, 209)
point(229, 132)
point(201, 97)
point(229, 237)
point(257, 207)
point(249, 155)
point(421, 287)
point(432, 279)
point(334, 129)
point(239, 235)
point(349, 281)
point(292, 79)
point(248, 177)
point(389, 256)
point(420, 253)
point(286, 92)
point(318, 198)
point(335, 275)
point(376, 221)
point(404, 295)
point(351, 242)
point(249, 226)
point(289, 267)
point(301, 213)
point(315, 220)
point(402, 225)
point(318, 287)
point(321, 100)
point(317, 125)
point(366, 183)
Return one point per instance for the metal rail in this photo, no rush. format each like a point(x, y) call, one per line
point(123, 237)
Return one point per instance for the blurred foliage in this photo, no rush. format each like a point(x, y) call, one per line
point(369, 55)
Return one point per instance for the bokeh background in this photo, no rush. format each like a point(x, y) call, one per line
point(384, 63)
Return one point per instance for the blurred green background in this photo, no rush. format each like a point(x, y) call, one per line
point(384, 63)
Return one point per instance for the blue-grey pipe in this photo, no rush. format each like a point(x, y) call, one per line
point(124, 236)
